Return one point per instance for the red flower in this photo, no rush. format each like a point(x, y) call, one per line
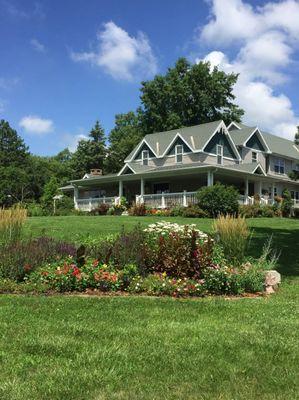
point(44, 273)
point(27, 267)
point(76, 271)
point(95, 263)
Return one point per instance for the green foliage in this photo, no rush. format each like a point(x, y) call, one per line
point(138, 210)
point(287, 203)
point(90, 152)
point(123, 138)
point(218, 200)
point(296, 139)
point(258, 210)
point(194, 212)
point(188, 94)
point(50, 190)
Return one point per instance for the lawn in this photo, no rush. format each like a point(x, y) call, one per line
point(65, 347)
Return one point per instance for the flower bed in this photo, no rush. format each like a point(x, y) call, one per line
point(163, 259)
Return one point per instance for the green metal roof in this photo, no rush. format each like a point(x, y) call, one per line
point(200, 133)
point(276, 144)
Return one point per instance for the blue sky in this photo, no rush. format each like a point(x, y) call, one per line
point(67, 63)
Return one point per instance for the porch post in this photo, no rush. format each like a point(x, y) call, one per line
point(246, 192)
point(260, 188)
point(185, 204)
point(163, 201)
point(120, 189)
point(76, 195)
point(210, 178)
point(141, 189)
point(272, 193)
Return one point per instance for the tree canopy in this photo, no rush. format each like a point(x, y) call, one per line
point(188, 94)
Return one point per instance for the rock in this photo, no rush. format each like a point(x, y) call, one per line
point(272, 278)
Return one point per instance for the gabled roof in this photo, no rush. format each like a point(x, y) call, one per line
point(136, 168)
point(251, 168)
point(276, 144)
point(194, 136)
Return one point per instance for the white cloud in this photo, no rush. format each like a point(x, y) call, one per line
point(37, 45)
point(122, 56)
point(36, 125)
point(71, 141)
point(265, 40)
point(8, 83)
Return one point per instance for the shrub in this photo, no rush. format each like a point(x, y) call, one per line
point(296, 212)
point(101, 209)
point(177, 211)
point(20, 258)
point(257, 210)
point(11, 224)
point(287, 203)
point(218, 200)
point(35, 210)
point(194, 212)
point(232, 233)
point(138, 210)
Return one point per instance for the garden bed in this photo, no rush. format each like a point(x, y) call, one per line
point(164, 259)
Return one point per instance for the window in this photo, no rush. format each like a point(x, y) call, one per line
point(219, 151)
point(254, 157)
point(144, 157)
point(178, 153)
point(279, 166)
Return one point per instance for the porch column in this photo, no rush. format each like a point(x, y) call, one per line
point(272, 192)
point(210, 178)
point(120, 189)
point(260, 188)
point(76, 195)
point(141, 189)
point(246, 192)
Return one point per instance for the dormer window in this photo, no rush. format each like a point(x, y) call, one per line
point(179, 153)
point(219, 150)
point(144, 157)
point(254, 157)
point(279, 166)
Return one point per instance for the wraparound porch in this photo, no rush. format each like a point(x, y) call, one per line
point(166, 190)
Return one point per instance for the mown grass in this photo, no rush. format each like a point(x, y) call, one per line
point(149, 348)
point(70, 348)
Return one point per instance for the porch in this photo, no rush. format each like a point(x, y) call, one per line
point(166, 190)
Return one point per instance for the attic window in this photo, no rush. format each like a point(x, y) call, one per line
point(254, 157)
point(219, 150)
point(279, 166)
point(179, 153)
point(144, 157)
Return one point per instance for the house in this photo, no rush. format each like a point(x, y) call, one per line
point(167, 168)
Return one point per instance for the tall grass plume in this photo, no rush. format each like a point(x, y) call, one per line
point(233, 234)
point(11, 224)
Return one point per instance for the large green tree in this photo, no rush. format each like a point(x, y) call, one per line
point(188, 94)
point(14, 165)
point(122, 139)
point(90, 153)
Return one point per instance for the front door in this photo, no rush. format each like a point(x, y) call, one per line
point(161, 187)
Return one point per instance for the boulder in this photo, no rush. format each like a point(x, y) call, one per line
point(272, 280)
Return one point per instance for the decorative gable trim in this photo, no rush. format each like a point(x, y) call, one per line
point(261, 168)
point(143, 141)
point(233, 124)
point(126, 166)
point(178, 135)
point(226, 132)
point(256, 130)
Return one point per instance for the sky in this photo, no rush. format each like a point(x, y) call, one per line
point(65, 64)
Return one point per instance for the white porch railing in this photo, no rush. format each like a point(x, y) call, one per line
point(296, 203)
point(93, 202)
point(166, 200)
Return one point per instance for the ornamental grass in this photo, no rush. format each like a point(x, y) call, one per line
point(11, 224)
point(233, 235)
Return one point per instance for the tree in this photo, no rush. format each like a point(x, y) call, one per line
point(296, 140)
point(122, 138)
point(188, 95)
point(50, 190)
point(14, 164)
point(90, 153)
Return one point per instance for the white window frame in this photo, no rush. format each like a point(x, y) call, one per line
point(256, 158)
point(144, 157)
point(280, 164)
point(219, 153)
point(179, 154)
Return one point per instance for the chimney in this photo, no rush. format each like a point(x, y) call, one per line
point(96, 172)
